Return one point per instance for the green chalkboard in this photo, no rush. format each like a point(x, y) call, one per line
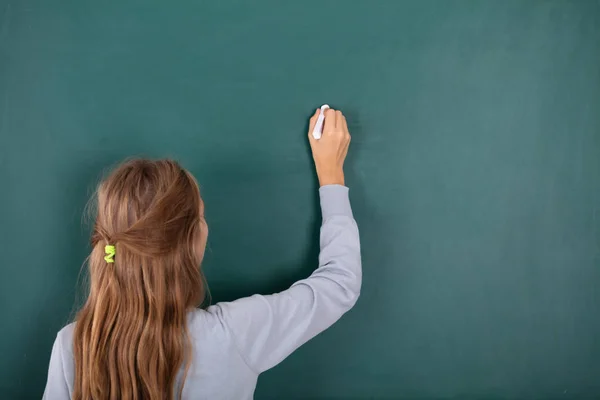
point(474, 174)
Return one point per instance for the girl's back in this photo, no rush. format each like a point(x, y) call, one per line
point(140, 335)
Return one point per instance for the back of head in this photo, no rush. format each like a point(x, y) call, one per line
point(131, 335)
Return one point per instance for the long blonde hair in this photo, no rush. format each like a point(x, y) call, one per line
point(131, 337)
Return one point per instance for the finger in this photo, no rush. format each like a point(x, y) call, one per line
point(346, 144)
point(346, 133)
point(345, 128)
point(345, 124)
point(338, 120)
point(329, 126)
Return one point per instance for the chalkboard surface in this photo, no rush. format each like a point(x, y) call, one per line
point(474, 173)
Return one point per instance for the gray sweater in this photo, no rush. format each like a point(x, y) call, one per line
point(234, 342)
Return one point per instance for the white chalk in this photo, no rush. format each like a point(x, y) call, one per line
point(318, 130)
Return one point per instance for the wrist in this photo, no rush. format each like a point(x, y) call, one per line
point(331, 179)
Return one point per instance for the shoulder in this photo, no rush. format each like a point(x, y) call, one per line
point(203, 322)
point(64, 338)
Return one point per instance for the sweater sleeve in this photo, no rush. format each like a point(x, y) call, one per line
point(266, 329)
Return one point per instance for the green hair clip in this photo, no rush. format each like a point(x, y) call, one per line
point(110, 253)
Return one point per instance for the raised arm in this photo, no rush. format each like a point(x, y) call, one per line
point(266, 329)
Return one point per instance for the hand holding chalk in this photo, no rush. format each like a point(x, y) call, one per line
point(329, 144)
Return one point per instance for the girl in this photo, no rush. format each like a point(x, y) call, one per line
point(140, 336)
